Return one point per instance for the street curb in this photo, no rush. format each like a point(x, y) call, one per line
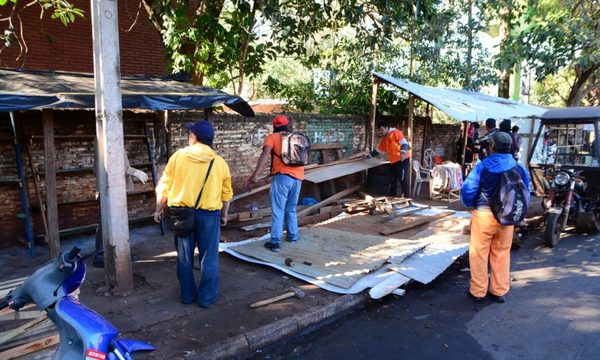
point(271, 333)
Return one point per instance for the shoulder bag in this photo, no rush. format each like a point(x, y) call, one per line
point(180, 219)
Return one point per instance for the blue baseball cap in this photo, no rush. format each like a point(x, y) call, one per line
point(203, 130)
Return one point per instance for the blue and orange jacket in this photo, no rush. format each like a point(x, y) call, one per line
point(484, 182)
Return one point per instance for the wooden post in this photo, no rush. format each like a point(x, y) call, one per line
point(464, 135)
point(411, 110)
point(50, 177)
point(111, 149)
point(371, 140)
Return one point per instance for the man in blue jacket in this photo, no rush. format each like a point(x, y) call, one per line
point(490, 241)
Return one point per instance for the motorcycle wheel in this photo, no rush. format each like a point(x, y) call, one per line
point(553, 229)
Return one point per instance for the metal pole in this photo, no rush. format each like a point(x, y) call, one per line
point(111, 147)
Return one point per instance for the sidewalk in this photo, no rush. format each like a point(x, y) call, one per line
point(154, 314)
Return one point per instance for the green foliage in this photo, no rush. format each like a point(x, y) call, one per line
point(554, 35)
point(10, 22)
point(412, 42)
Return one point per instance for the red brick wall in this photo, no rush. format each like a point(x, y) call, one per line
point(52, 46)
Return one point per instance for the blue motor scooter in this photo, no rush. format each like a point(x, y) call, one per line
point(84, 334)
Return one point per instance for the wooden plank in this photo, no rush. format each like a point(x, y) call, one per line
point(387, 286)
point(53, 235)
point(31, 347)
point(340, 169)
point(404, 213)
point(411, 224)
point(11, 334)
point(328, 201)
point(36, 184)
point(325, 146)
point(21, 315)
point(251, 192)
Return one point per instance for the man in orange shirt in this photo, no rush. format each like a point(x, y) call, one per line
point(285, 186)
point(395, 145)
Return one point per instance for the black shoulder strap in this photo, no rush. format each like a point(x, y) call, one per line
point(206, 178)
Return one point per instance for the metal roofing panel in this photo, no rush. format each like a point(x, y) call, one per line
point(465, 105)
point(572, 113)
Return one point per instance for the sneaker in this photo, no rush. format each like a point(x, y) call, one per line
point(291, 241)
point(272, 246)
point(499, 299)
point(473, 297)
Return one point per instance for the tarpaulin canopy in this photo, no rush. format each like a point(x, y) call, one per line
point(465, 105)
point(25, 90)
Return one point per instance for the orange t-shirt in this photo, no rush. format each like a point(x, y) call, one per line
point(390, 144)
point(278, 167)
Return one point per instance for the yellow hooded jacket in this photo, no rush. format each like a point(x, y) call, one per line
point(184, 175)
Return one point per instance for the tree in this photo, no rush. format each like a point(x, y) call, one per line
point(424, 43)
point(222, 42)
point(557, 35)
point(11, 26)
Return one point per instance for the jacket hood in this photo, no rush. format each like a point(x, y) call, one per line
point(497, 163)
point(199, 153)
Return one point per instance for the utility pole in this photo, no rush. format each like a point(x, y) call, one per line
point(111, 150)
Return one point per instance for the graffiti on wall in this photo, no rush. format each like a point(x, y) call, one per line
point(331, 131)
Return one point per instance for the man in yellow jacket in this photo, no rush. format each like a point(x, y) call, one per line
point(180, 184)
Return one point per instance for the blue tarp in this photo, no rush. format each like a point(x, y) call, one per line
point(26, 90)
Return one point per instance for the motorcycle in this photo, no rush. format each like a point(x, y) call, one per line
point(564, 167)
point(561, 202)
point(84, 334)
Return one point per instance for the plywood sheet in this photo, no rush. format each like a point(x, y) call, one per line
point(335, 171)
point(337, 257)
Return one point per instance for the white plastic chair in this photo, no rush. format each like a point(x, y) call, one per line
point(421, 176)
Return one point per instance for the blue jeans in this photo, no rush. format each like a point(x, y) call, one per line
point(285, 191)
point(206, 235)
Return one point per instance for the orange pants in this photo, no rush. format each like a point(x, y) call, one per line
point(490, 243)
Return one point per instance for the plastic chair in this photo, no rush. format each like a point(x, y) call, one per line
point(421, 176)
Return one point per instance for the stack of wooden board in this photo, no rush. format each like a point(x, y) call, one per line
point(26, 331)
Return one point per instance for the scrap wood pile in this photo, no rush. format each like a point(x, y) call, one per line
point(26, 331)
point(259, 218)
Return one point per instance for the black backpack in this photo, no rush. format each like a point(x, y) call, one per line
point(295, 149)
point(509, 200)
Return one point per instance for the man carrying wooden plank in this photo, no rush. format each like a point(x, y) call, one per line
point(285, 186)
point(395, 145)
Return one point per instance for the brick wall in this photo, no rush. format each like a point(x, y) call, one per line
point(52, 46)
point(239, 140)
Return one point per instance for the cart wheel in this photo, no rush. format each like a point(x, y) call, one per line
point(553, 229)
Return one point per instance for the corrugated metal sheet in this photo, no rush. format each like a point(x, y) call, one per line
point(465, 105)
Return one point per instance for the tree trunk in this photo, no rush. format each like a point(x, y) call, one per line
point(578, 89)
point(504, 85)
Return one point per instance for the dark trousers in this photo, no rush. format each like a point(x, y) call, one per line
point(206, 237)
point(399, 171)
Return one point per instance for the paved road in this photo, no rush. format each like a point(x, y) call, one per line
point(552, 312)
